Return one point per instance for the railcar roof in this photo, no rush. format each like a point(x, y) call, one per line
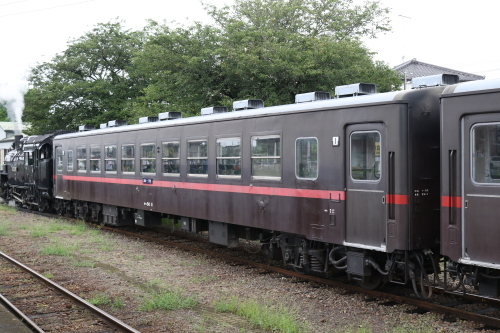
point(262, 112)
point(473, 86)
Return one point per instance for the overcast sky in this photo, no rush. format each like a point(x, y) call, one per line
point(447, 33)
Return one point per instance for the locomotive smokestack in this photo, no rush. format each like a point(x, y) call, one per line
point(17, 141)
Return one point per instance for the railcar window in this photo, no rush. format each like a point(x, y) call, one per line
point(81, 159)
point(266, 156)
point(197, 157)
point(229, 157)
point(486, 153)
point(148, 158)
point(365, 156)
point(128, 159)
point(306, 158)
point(95, 159)
point(171, 158)
point(110, 158)
point(70, 160)
point(59, 159)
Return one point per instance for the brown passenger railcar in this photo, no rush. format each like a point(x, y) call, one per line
point(470, 183)
point(348, 183)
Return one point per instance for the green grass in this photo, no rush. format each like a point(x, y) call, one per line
point(276, 319)
point(3, 230)
point(7, 208)
point(59, 250)
point(167, 300)
point(99, 299)
point(204, 278)
point(139, 257)
point(48, 275)
point(83, 263)
point(118, 304)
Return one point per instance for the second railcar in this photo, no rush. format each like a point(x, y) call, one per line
point(470, 183)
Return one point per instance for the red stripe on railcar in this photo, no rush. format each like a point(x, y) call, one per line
point(455, 202)
point(397, 199)
point(275, 191)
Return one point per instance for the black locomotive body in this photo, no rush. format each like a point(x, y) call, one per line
point(346, 184)
point(28, 172)
point(470, 185)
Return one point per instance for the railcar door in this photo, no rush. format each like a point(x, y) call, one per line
point(481, 189)
point(365, 186)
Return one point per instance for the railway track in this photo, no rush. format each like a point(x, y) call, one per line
point(483, 310)
point(451, 304)
point(45, 305)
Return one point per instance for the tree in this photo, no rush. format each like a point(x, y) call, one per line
point(339, 19)
point(264, 49)
point(88, 83)
point(3, 113)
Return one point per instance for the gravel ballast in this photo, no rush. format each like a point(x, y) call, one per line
point(128, 274)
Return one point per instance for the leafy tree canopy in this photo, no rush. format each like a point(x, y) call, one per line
point(88, 83)
point(339, 19)
point(3, 113)
point(262, 49)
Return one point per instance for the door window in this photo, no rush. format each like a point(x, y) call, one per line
point(365, 156)
point(485, 153)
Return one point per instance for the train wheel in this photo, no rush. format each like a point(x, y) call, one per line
point(271, 253)
point(372, 282)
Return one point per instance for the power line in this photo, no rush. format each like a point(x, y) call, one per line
point(48, 8)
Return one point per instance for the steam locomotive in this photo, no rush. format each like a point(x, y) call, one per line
point(394, 187)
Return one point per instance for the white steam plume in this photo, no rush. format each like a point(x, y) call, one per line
point(12, 97)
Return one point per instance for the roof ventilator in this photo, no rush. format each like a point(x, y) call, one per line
point(212, 110)
point(248, 104)
point(145, 120)
point(169, 115)
point(116, 123)
point(434, 80)
point(356, 89)
point(85, 128)
point(312, 96)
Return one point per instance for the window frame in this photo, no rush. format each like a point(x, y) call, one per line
point(69, 162)
point(204, 158)
point(472, 150)
point(106, 159)
point(317, 158)
point(164, 159)
point(93, 160)
point(59, 166)
point(372, 181)
point(141, 158)
point(81, 159)
point(218, 158)
point(124, 159)
point(280, 157)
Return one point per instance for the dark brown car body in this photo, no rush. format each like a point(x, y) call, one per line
point(398, 211)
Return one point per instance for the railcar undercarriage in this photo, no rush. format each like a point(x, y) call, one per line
point(370, 269)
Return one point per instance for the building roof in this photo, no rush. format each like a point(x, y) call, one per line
point(11, 126)
point(414, 68)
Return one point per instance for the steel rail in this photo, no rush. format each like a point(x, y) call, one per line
point(425, 305)
point(107, 318)
point(422, 304)
point(20, 315)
